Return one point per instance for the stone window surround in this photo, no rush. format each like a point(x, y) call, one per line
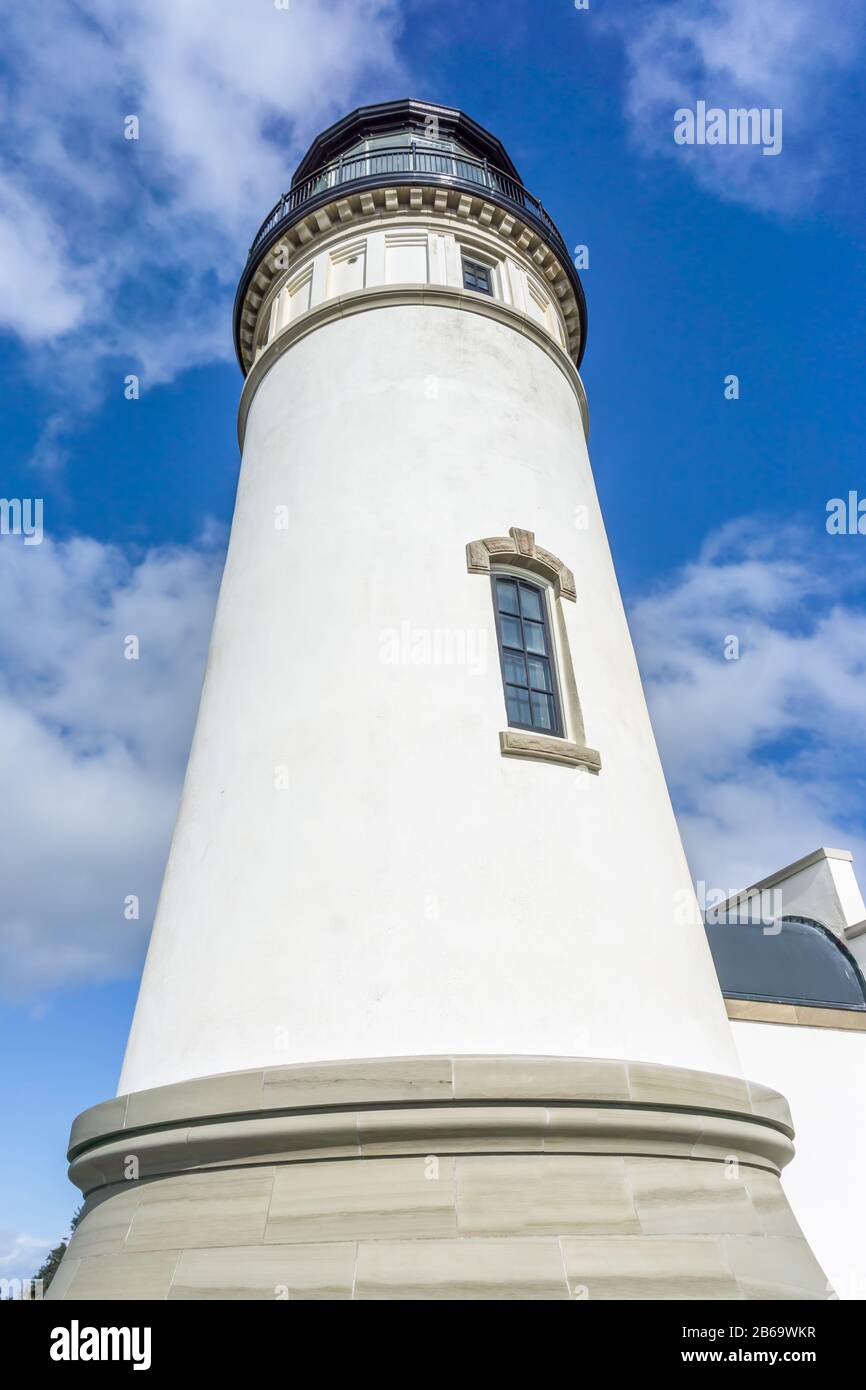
point(520, 276)
point(517, 552)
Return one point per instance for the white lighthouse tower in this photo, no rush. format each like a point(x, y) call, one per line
point(428, 1010)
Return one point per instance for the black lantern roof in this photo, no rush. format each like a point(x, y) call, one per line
point(417, 118)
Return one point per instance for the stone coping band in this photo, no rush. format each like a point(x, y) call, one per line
point(417, 1105)
point(795, 1015)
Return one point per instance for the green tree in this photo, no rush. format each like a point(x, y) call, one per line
point(51, 1263)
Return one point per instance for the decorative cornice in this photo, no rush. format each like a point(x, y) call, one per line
point(385, 297)
point(452, 205)
point(519, 548)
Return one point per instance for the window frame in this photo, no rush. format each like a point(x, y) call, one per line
point(543, 589)
point(469, 256)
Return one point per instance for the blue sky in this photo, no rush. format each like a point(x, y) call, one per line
point(121, 257)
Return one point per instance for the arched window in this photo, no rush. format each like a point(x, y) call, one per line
point(791, 961)
point(527, 654)
point(541, 700)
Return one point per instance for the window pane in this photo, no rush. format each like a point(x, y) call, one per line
point(515, 670)
point(530, 603)
point(517, 701)
point(506, 594)
point(539, 673)
point(511, 636)
point(534, 633)
point(542, 710)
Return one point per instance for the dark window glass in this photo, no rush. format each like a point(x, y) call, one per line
point(530, 604)
point(507, 591)
point(526, 654)
point(514, 668)
point(542, 710)
point(477, 276)
point(791, 961)
point(519, 708)
point(539, 673)
point(512, 632)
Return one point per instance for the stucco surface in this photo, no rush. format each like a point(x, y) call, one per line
point(356, 869)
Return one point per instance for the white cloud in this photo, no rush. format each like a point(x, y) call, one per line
point(763, 753)
point(22, 1254)
point(130, 250)
point(788, 54)
point(94, 745)
point(38, 291)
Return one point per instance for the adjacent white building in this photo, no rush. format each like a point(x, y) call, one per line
point(790, 951)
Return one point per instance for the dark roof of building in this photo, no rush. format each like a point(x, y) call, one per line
point(790, 961)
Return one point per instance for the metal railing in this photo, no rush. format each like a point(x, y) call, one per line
point(426, 165)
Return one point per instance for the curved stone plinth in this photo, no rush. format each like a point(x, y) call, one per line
point(439, 1178)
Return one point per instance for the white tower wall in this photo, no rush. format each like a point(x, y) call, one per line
point(409, 890)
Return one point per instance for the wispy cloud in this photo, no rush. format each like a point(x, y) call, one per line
point(127, 251)
point(42, 294)
point(764, 753)
point(94, 745)
point(794, 55)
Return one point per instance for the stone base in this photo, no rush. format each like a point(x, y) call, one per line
point(439, 1178)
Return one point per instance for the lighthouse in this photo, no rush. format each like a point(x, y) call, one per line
point(428, 1010)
